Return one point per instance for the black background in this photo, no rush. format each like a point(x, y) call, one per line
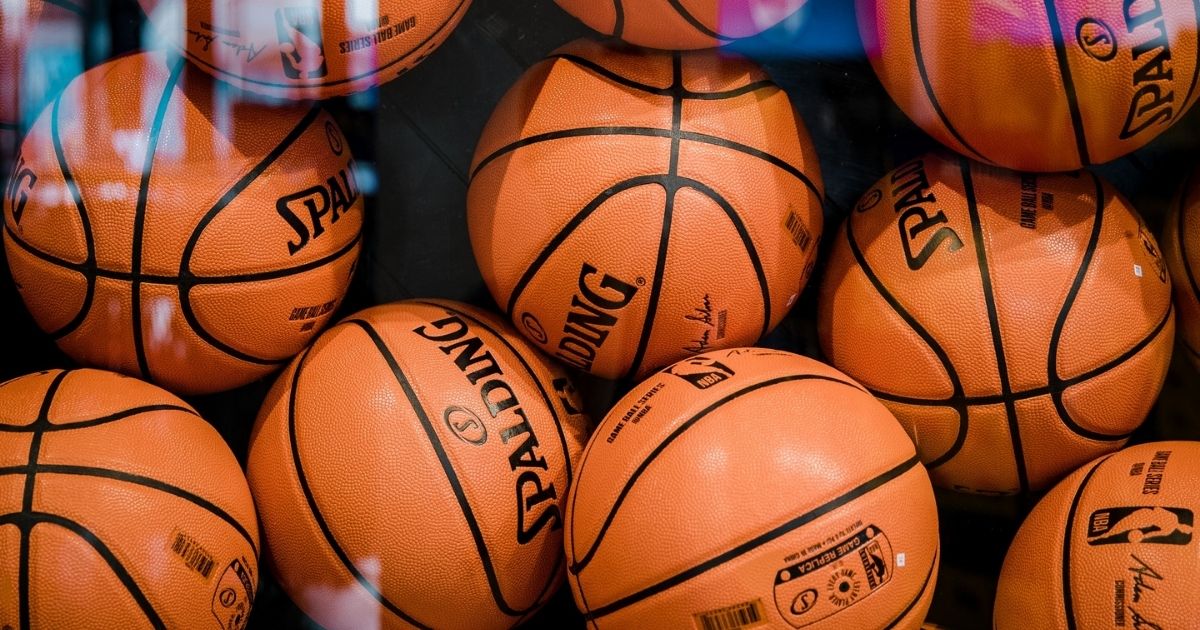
point(418, 134)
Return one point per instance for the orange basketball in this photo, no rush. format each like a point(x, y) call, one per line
point(1017, 325)
point(306, 50)
point(158, 230)
point(1037, 86)
point(1110, 546)
point(632, 208)
point(119, 508)
point(1181, 246)
point(411, 467)
point(747, 488)
point(681, 24)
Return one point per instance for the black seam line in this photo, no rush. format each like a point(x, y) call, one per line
point(185, 274)
point(943, 357)
point(1180, 231)
point(937, 552)
point(464, 505)
point(989, 298)
point(655, 133)
point(537, 381)
point(685, 426)
point(378, 70)
point(35, 446)
point(918, 55)
point(664, 240)
point(685, 94)
point(1196, 68)
point(293, 393)
point(1064, 65)
point(1068, 539)
point(697, 24)
point(570, 227)
point(984, 401)
point(153, 484)
point(757, 541)
point(1052, 376)
point(569, 528)
point(619, 20)
point(84, 424)
point(191, 281)
point(562, 438)
point(26, 521)
point(85, 223)
point(139, 218)
point(7, 126)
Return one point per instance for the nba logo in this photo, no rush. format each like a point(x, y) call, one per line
point(301, 45)
point(701, 373)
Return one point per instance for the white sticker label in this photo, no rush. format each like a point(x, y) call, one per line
point(901, 559)
point(1137, 271)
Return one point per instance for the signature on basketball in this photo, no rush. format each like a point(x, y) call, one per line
point(713, 322)
point(1144, 578)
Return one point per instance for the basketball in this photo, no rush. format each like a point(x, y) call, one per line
point(681, 24)
point(751, 487)
point(1018, 326)
point(155, 229)
point(1110, 546)
point(119, 508)
point(1181, 247)
point(430, 491)
point(307, 50)
point(1033, 86)
point(632, 208)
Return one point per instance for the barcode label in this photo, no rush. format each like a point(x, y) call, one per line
point(193, 555)
point(746, 615)
point(800, 234)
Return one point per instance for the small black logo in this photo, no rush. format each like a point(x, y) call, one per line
point(466, 425)
point(334, 137)
point(1141, 525)
point(805, 601)
point(301, 45)
point(701, 372)
point(870, 200)
point(234, 596)
point(534, 328)
point(1097, 39)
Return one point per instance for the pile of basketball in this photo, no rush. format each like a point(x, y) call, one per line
point(645, 214)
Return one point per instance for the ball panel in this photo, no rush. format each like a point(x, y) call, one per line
point(934, 428)
point(88, 395)
point(272, 319)
point(70, 603)
point(715, 74)
point(12, 487)
point(848, 303)
point(23, 399)
point(1037, 233)
point(498, 199)
point(1052, 448)
point(1118, 400)
point(1127, 286)
point(723, 310)
point(54, 295)
point(105, 336)
point(590, 303)
point(655, 24)
point(986, 462)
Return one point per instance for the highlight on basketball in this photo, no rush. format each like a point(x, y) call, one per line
point(599, 314)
